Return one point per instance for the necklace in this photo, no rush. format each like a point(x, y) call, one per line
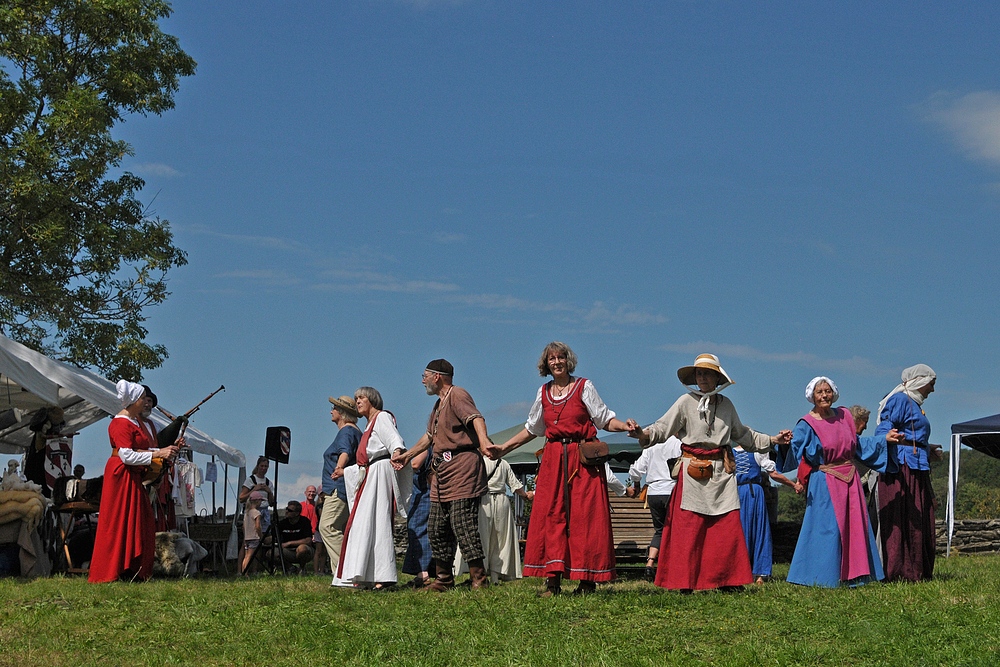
point(562, 401)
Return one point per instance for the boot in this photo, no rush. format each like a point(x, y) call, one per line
point(552, 586)
point(477, 574)
point(444, 581)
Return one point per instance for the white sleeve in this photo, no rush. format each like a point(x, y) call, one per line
point(535, 426)
point(641, 465)
point(615, 485)
point(599, 412)
point(512, 481)
point(765, 462)
point(387, 432)
point(135, 457)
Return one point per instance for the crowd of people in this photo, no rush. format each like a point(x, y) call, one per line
point(705, 473)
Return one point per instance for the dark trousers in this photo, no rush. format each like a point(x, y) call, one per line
point(455, 523)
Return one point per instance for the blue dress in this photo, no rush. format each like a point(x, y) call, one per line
point(753, 512)
point(818, 553)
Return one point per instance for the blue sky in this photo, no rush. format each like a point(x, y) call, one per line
point(362, 186)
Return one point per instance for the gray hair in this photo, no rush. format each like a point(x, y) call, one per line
point(860, 412)
point(371, 393)
point(556, 346)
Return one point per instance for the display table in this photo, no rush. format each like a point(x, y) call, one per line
point(34, 561)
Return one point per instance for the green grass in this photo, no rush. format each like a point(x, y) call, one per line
point(954, 620)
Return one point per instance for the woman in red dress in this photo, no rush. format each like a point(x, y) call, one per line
point(124, 544)
point(569, 533)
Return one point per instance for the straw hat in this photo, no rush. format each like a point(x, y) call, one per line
point(346, 405)
point(686, 373)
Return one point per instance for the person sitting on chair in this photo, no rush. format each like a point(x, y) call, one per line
point(295, 532)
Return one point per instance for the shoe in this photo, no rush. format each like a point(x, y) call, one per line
point(418, 582)
point(477, 575)
point(585, 588)
point(650, 573)
point(445, 582)
point(549, 592)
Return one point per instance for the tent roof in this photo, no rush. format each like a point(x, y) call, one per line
point(522, 460)
point(981, 434)
point(29, 380)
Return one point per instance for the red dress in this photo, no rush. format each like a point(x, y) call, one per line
point(124, 546)
point(575, 540)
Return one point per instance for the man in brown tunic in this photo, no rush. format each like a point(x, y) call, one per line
point(458, 434)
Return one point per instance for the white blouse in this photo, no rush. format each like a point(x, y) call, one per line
point(599, 412)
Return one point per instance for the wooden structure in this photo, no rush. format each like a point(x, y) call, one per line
point(632, 528)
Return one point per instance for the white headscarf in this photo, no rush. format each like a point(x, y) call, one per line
point(811, 388)
point(129, 392)
point(913, 378)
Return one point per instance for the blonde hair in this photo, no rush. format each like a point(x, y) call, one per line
point(556, 346)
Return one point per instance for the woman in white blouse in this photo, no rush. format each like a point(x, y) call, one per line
point(569, 532)
point(368, 557)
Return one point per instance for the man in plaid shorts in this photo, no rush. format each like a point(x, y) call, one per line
point(458, 433)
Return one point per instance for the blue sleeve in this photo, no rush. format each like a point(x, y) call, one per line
point(873, 451)
point(805, 444)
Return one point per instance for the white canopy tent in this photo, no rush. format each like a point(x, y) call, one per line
point(30, 381)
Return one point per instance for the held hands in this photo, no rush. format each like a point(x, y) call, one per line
point(799, 487)
point(399, 459)
point(337, 473)
point(530, 495)
point(495, 452)
point(894, 437)
point(783, 438)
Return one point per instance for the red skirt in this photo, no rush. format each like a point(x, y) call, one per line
point(577, 544)
point(699, 552)
point(124, 546)
point(906, 524)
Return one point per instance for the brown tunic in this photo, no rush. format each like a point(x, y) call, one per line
point(458, 464)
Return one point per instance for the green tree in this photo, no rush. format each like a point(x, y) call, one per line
point(80, 259)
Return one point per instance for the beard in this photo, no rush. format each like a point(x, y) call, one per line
point(431, 388)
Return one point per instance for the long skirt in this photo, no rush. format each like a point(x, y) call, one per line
point(828, 554)
point(575, 540)
point(906, 523)
point(700, 551)
point(368, 554)
point(756, 528)
point(124, 546)
point(498, 533)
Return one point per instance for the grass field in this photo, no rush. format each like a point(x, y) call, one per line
point(954, 620)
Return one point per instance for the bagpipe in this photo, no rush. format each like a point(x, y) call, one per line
point(168, 436)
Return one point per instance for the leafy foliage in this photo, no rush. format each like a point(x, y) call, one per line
point(79, 258)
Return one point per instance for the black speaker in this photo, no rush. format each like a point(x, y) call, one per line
point(278, 443)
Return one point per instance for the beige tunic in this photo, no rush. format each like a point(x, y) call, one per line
point(718, 494)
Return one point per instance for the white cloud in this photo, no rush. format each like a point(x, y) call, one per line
point(155, 169)
point(854, 364)
point(973, 120)
point(269, 242)
point(262, 275)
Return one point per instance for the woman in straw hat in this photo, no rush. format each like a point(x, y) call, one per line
point(836, 544)
point(338, 457)
point(905, 497)
point(703, 545)
point(569, 533)
point(124, 546)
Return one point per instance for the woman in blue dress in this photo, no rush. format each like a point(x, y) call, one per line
point(836, 544)
point(905, 497)
point(750, 470)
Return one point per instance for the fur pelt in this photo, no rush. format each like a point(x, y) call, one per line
point(176, 555)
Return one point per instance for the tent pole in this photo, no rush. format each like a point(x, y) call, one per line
point(953, 461)
point(214, 509)
point(225, 486)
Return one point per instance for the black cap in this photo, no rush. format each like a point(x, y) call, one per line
point(442, 367)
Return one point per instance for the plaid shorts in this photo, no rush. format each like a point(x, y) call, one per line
point(451, 523)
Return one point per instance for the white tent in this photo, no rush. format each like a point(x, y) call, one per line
point(30, 380)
